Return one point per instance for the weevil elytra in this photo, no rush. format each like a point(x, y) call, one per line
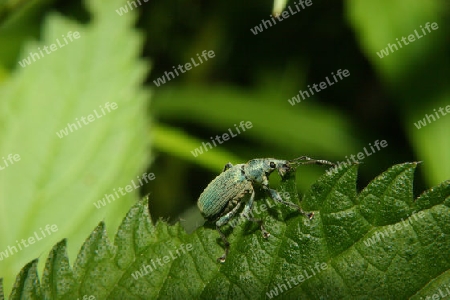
point(222, 198)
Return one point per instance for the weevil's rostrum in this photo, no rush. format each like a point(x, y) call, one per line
point(222, 198)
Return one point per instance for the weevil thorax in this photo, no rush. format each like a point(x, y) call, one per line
point(258, 170)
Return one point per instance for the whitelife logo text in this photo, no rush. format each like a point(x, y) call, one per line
point(86, 120)
point(319, 87)
point(225, 137)
point(108, 198)
point(11, 158)
point(411, 38)
point(10, 250)
point(49, 49)
point(187, 66)
point(280, 17)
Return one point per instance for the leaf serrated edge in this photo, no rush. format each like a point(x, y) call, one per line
point(27, 284)
point(28, 274)
point(2, 295)
point(425, 200)
point(57, 263)
point(397, 170)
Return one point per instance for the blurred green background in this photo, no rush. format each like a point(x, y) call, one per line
point(251, 79)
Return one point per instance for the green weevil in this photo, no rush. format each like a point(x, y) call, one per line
point(222, 198)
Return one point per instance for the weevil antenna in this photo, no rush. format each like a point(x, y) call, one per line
point(305, 160)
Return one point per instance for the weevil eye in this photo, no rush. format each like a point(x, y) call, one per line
point(272, 165)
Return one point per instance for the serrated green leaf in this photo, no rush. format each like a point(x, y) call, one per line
point(27, 283)
point(56, 280)
point(58, 180)
point(328, 257)
point(389, 197)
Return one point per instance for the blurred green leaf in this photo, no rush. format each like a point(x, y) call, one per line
point(180, 144)
point(363, 246)
point(302, 129)
point(406, 73)
point(378, 23)
point(432, 141)
point(57, 180)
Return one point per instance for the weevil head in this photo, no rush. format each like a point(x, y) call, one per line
point(283, 166)
point(257, 168)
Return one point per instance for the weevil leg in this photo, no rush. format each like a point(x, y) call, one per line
point(276, 197)
point(226, 243)
point(247, 213)
point(309, 160)
point(227, 166)
point(222, 221)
